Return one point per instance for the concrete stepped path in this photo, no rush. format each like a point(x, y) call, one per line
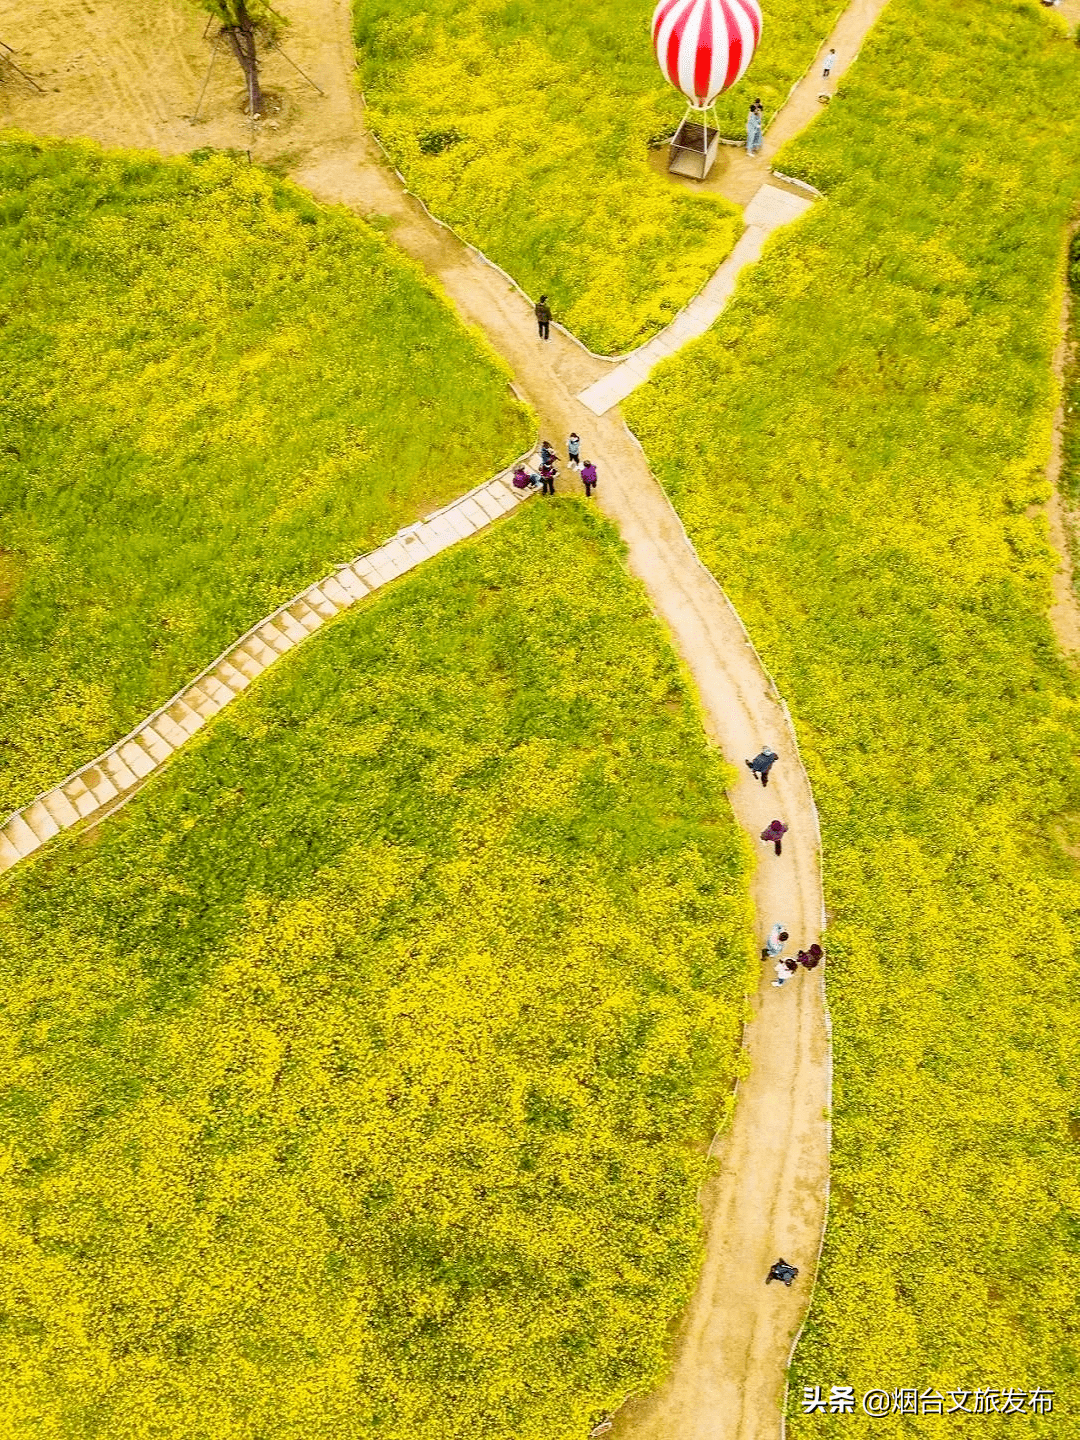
point(770, 208)
point(92, 791)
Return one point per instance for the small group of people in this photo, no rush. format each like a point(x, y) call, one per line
point(777, 938)
point(760, 766)
point(773, 949)
point(754, 122)
point(525, 479)
point(808, 959)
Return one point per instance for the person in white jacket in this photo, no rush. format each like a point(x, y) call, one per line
point(784, 971)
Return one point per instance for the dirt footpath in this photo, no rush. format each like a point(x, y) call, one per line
point(126, 81)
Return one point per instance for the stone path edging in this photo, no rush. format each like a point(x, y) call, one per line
point(103, 783)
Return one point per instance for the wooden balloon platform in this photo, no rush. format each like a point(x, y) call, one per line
point(694, 148)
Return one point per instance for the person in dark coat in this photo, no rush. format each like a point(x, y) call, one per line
point(782, 1271)
point(762, 763)
point(810, 959)
point(773, 833)
point(542, 311)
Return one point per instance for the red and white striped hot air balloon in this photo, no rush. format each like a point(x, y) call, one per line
point(704, 46)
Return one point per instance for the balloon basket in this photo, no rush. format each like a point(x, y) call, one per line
point(694, 146)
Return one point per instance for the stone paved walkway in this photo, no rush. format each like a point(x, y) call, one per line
point(100, 786)
point(770, 208)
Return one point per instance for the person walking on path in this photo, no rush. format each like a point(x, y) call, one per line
point(547, 476)
point(775, 942)
point(782, 1271)
point(830, 60)
point(773, 833)
point(753, 128)
point(762, 764)
point(588, 477)
point(543, 317)
point(812, 958)
point(573, 450)
point(784, 971)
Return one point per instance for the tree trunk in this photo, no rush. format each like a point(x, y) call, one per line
point(242, 39)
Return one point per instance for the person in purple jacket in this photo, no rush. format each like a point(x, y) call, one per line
point(773, 833)
point(588, 477)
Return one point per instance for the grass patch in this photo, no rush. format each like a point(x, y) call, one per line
point(526, 125)
point(853, 448)
point(357, 1079)
point(209, 391)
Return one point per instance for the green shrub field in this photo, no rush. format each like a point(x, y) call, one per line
point(855, 448)
point(357, 1076)
point(210, 390)
point(527, 125)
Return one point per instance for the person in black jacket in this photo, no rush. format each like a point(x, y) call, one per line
point(782, 1271)
point(543, 317)
point(762, 764)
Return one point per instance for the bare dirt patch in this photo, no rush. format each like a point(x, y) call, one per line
point(130, 74)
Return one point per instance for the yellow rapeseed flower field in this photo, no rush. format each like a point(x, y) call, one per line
point(210, 390)
point(357, 1077)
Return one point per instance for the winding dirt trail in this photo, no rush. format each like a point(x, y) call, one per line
point(769, 1196)
point(1062, 520)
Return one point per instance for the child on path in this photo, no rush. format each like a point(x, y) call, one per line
point(829, 61)
point(753, 128)
point(773, 833)
point(542, 310)
point(547, 476)
point(775, 942)
point(784, 971)
point(573, 449)
point(588, 477)
point(762, 764)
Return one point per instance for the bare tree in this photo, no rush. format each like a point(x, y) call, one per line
point(247, 24)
